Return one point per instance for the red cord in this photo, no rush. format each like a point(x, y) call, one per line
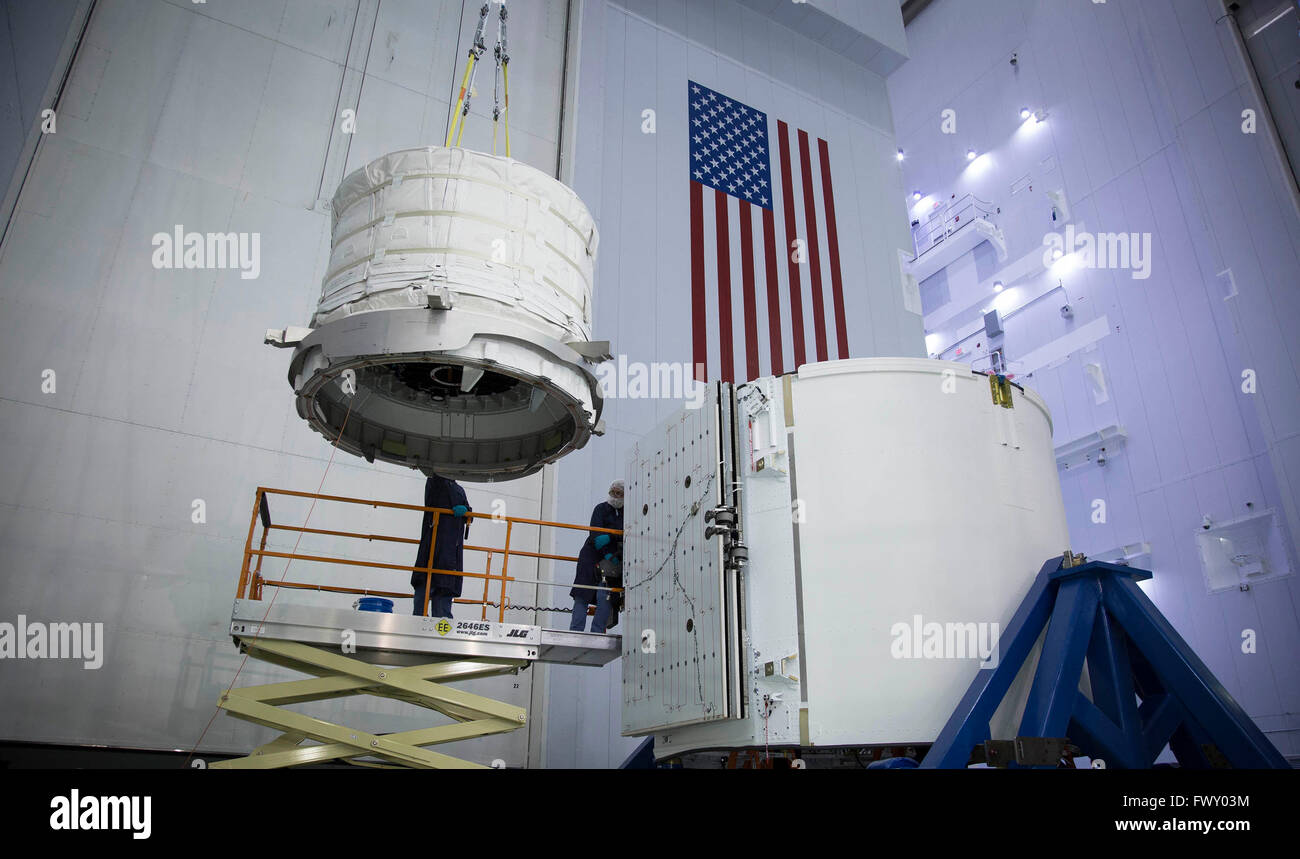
point(269, 605)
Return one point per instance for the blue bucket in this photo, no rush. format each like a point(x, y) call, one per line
point(374, 604)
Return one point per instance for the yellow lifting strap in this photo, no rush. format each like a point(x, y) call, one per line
point(476, 49)
point(460, 101)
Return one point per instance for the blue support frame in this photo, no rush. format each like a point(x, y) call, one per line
point(642, 758)
point(1096, 613)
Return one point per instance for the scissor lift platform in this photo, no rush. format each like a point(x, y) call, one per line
point(404, 657)
point(403, 639)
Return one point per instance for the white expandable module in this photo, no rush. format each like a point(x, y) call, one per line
point(454, 324)
point(825, 558)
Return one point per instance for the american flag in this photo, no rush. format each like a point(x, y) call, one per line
point(743, 252)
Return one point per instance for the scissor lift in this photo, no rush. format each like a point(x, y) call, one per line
point(403, 657)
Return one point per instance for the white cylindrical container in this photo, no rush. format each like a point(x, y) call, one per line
point(458, 294)
point(894, 513)
point(929, 510)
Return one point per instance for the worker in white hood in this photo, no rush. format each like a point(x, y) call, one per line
point(607, 514)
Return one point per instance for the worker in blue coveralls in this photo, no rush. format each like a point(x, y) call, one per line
point(448, 549)
point(608, 514)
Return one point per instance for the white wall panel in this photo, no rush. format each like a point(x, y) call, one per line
point(206, 125)
point(217, 117)
point(319, 27)
point(1144, 135)
point(259, 17)
point(291, 131)
point(35, 35)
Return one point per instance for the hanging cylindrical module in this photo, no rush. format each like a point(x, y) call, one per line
point(454, 324)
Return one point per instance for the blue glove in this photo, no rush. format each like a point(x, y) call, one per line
point(459, 510)
point(602, 540)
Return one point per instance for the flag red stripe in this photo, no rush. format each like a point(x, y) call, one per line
point(791, 231)
point(773, 292)
point(814, 251)
point(699, 325)
point(747, 279)
point(727, 371)
point(833, 245)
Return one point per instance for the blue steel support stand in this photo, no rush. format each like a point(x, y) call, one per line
point(643, 758)
point(1096, 612)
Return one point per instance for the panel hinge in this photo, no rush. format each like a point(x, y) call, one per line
point(723, 523)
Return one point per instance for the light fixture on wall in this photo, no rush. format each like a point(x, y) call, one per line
point(970, 154)
point(997, 286)
point(1025, 113)
point(916, 195)
point(900, 155)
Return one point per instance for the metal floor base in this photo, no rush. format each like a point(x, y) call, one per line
point(402, 639)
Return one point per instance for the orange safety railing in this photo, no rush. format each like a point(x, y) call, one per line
point(251, 581)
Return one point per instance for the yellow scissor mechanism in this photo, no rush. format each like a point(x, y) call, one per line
point(500, 86)
point(341, 676)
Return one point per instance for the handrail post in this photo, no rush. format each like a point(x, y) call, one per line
point(505, 566)
point(257, 571)
point(487, 583)
point(248, 546)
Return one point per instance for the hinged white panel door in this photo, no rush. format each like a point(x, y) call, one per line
point(676, 635)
